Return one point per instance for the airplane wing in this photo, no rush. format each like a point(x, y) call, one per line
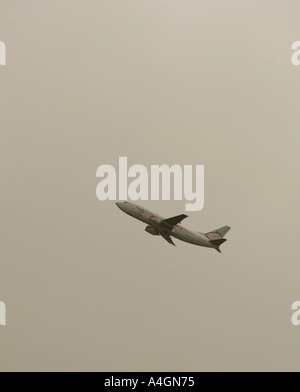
point(167, 238)
point(171, 222)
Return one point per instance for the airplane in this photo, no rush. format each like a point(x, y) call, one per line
point(171, 227)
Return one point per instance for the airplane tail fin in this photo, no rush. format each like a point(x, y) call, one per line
point(216, 237)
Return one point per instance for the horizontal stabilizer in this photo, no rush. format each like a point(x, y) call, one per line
point(218, 242)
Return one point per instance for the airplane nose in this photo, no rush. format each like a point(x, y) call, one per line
point(121, 205)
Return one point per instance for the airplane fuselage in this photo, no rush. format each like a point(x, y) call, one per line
point(154, 220)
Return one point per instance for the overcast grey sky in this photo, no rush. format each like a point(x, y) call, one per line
point(159, 81)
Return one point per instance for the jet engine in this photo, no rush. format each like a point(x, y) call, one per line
point(150, 230)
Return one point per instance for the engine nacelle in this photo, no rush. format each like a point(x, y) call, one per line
point(150, 230)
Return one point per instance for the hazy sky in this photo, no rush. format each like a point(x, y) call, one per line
point(159, 81)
